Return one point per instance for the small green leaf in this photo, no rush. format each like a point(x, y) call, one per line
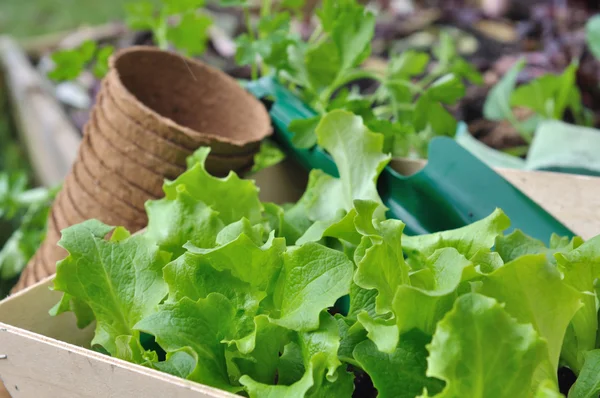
point(191, 34)
point(262, 359)
point(383, 332)
point(422, 305)
point(408, 64)
point(295, 5)
point(592, 30)
point(520, 284)
point(232, 197)
point(352, 34)
point(588, 382)
point(102, 57)
point(357, 153)
point(247, 261)
point(249, 50)
point(195, 277)
point(199, 325)
point(182, 6)
point(497, 104)
point(445, 50)
point(400, 374)
point(313, 358)
point(140, 15)
point(447, 89)
point(379, 256)
point(467, 71)
point(233, 3)
point(70, 63)
point(468, 240)
point(304, 132)
point(323, 65)
point(178, 363)
point(174, 222)
point(269, 155)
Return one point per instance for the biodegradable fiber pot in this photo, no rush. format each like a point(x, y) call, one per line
point(153, 110)
point(186, 101)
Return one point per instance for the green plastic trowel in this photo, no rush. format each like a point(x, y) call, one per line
point(453, 189)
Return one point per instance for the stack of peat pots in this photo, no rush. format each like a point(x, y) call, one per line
point(155, 108)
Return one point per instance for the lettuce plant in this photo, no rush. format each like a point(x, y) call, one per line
point(547, 97)
point(69, 64)
point(189, 34)
point(410, 105)
point(241, 295)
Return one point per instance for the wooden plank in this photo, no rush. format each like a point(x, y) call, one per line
point(37, 366)
point(573, 199)
point(28, 309)
point(44, 128)
point(45, 355)
point(37, 46)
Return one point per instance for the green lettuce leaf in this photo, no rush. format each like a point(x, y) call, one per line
point(423, 305)
point(261, 360)
point(379, 256)
point(247, 261)
point(400, 374)
point(316, 353)
point(199, 325)
point(534, 293)
point(357, 153)
point(479, 350)
point(580, 269)
point(232, 197)
point(467, 240)
point(313, 278)
point(119, 280)
point(588, 382)
point(174, 222)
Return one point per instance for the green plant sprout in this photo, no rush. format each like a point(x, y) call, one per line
point(189, 34)
point(69, 64)
point(549, 96)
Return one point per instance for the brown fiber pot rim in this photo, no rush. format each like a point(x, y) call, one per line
point(262, 120)
point(161, 142)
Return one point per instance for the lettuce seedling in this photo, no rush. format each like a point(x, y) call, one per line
point(318, 70)
point(549, 96)
point(189, 34)
point(69, 64)
point(27, 210)
point(592, 30)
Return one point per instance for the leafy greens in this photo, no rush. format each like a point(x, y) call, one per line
point(239, 294)
point(319, 70)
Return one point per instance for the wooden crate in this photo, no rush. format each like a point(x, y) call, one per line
point(44, 356)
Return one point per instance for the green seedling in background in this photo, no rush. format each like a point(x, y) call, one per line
point(592, 30)
point(548, 97)
point(70, 63)
point(189, 34)
point(408, 113)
